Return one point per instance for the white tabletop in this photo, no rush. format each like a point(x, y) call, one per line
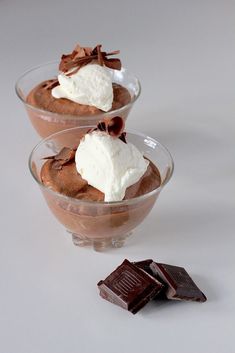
point(184, 54)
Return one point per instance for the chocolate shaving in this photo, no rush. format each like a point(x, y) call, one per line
point(63, 157)
point(114, 127)
point(50, 84)
point(99, 55)
point(101, 126)
point(123, 137)
point(81, 56)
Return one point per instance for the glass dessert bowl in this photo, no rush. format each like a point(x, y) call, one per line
point(98, 223)
point(47, 122)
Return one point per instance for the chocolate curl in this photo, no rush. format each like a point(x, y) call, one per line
point(50, 84)
point(99, 55)
point(123, 137)
point(101, 126)
point(114, 127)
point(63, 157)
point(84, 55)
point(77, 53)
point(114, 64)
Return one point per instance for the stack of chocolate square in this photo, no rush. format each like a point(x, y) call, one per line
point(133, 285)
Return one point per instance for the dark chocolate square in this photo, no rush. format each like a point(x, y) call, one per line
point(179, 285)
point(144, 265)
point(129, 287)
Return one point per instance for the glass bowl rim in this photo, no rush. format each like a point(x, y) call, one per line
point(69, 116)
point(103, 203)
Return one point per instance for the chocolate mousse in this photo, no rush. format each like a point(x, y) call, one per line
point(67, 181)
point(103, 166)
point(42, 97)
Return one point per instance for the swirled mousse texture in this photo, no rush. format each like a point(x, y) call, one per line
point(68, 181)
point(41, 97)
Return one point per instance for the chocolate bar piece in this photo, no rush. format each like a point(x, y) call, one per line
point(129, 287)
point(178, 284)
point(144, 265)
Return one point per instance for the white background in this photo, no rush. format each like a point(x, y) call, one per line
point(184, 54)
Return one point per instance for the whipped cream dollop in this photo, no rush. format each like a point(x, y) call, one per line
point(90, 85)
point(109, 164)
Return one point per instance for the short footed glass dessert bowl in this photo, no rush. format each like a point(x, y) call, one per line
point(100, 224)
point(85, 87)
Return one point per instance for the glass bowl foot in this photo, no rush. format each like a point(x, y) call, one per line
point(100, 244)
